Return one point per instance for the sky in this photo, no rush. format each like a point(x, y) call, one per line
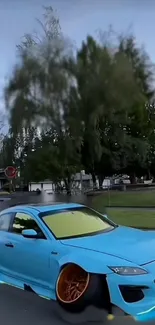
point(78, 18)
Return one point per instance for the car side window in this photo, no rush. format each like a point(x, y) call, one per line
point(5, 221)
point(24, 221)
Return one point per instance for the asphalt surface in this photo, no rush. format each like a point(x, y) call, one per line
point(18, 307)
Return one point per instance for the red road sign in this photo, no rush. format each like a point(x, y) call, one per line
point(10, 172)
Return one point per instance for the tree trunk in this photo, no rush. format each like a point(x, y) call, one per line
point(100, 180)
point(133, 178)
point(93, 179)
point(68, 185)
point(148, 177)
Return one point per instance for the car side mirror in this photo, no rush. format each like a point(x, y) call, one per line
point(29, 233)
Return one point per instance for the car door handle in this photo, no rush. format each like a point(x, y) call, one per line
point(9, 245)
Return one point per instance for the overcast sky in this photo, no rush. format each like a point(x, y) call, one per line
point(78, 18)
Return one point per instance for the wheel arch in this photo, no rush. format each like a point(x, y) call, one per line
point(103, 283)
point(89, 264)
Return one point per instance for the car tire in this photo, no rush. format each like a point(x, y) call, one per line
point(91, 293)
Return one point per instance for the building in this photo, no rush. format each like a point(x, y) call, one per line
point(48, 185)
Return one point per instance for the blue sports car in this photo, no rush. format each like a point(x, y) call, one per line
point(75, 255)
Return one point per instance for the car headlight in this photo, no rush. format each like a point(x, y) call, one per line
point(127, 270)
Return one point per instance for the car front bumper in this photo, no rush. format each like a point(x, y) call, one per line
point(135, 295)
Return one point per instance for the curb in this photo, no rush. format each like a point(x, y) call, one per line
point(130, 207)
point(144, 228)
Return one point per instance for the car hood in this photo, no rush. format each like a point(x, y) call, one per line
point(131, 244)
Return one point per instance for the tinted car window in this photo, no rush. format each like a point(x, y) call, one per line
point(76, 222)
point(5, 220)
point(23, 221)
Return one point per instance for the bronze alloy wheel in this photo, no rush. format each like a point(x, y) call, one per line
point(72, 283)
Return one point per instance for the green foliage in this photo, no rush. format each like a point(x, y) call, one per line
point(56, 159)
point(93, 110)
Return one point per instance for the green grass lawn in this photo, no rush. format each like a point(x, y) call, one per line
point(140, 218)
point(124, 199)
point(134, 218)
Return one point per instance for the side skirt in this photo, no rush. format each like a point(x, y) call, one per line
point(23, 286)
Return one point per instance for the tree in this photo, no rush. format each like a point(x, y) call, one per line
point(92, 110)
point(2, 125)
point(140, 125)
point(52, 158)
point(39, 81)
point(107, 91)
point(40, 86)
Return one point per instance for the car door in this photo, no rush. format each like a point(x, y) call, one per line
point(28, 260)
point(5, 224)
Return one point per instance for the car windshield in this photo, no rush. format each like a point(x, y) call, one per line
point(79, 222)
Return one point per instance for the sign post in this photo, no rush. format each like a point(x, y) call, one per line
point(10, 173)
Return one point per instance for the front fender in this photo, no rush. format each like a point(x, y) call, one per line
point(94, 262)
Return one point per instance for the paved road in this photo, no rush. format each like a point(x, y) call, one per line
point(18, 307)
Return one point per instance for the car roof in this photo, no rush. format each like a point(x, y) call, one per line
point(44, 207)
